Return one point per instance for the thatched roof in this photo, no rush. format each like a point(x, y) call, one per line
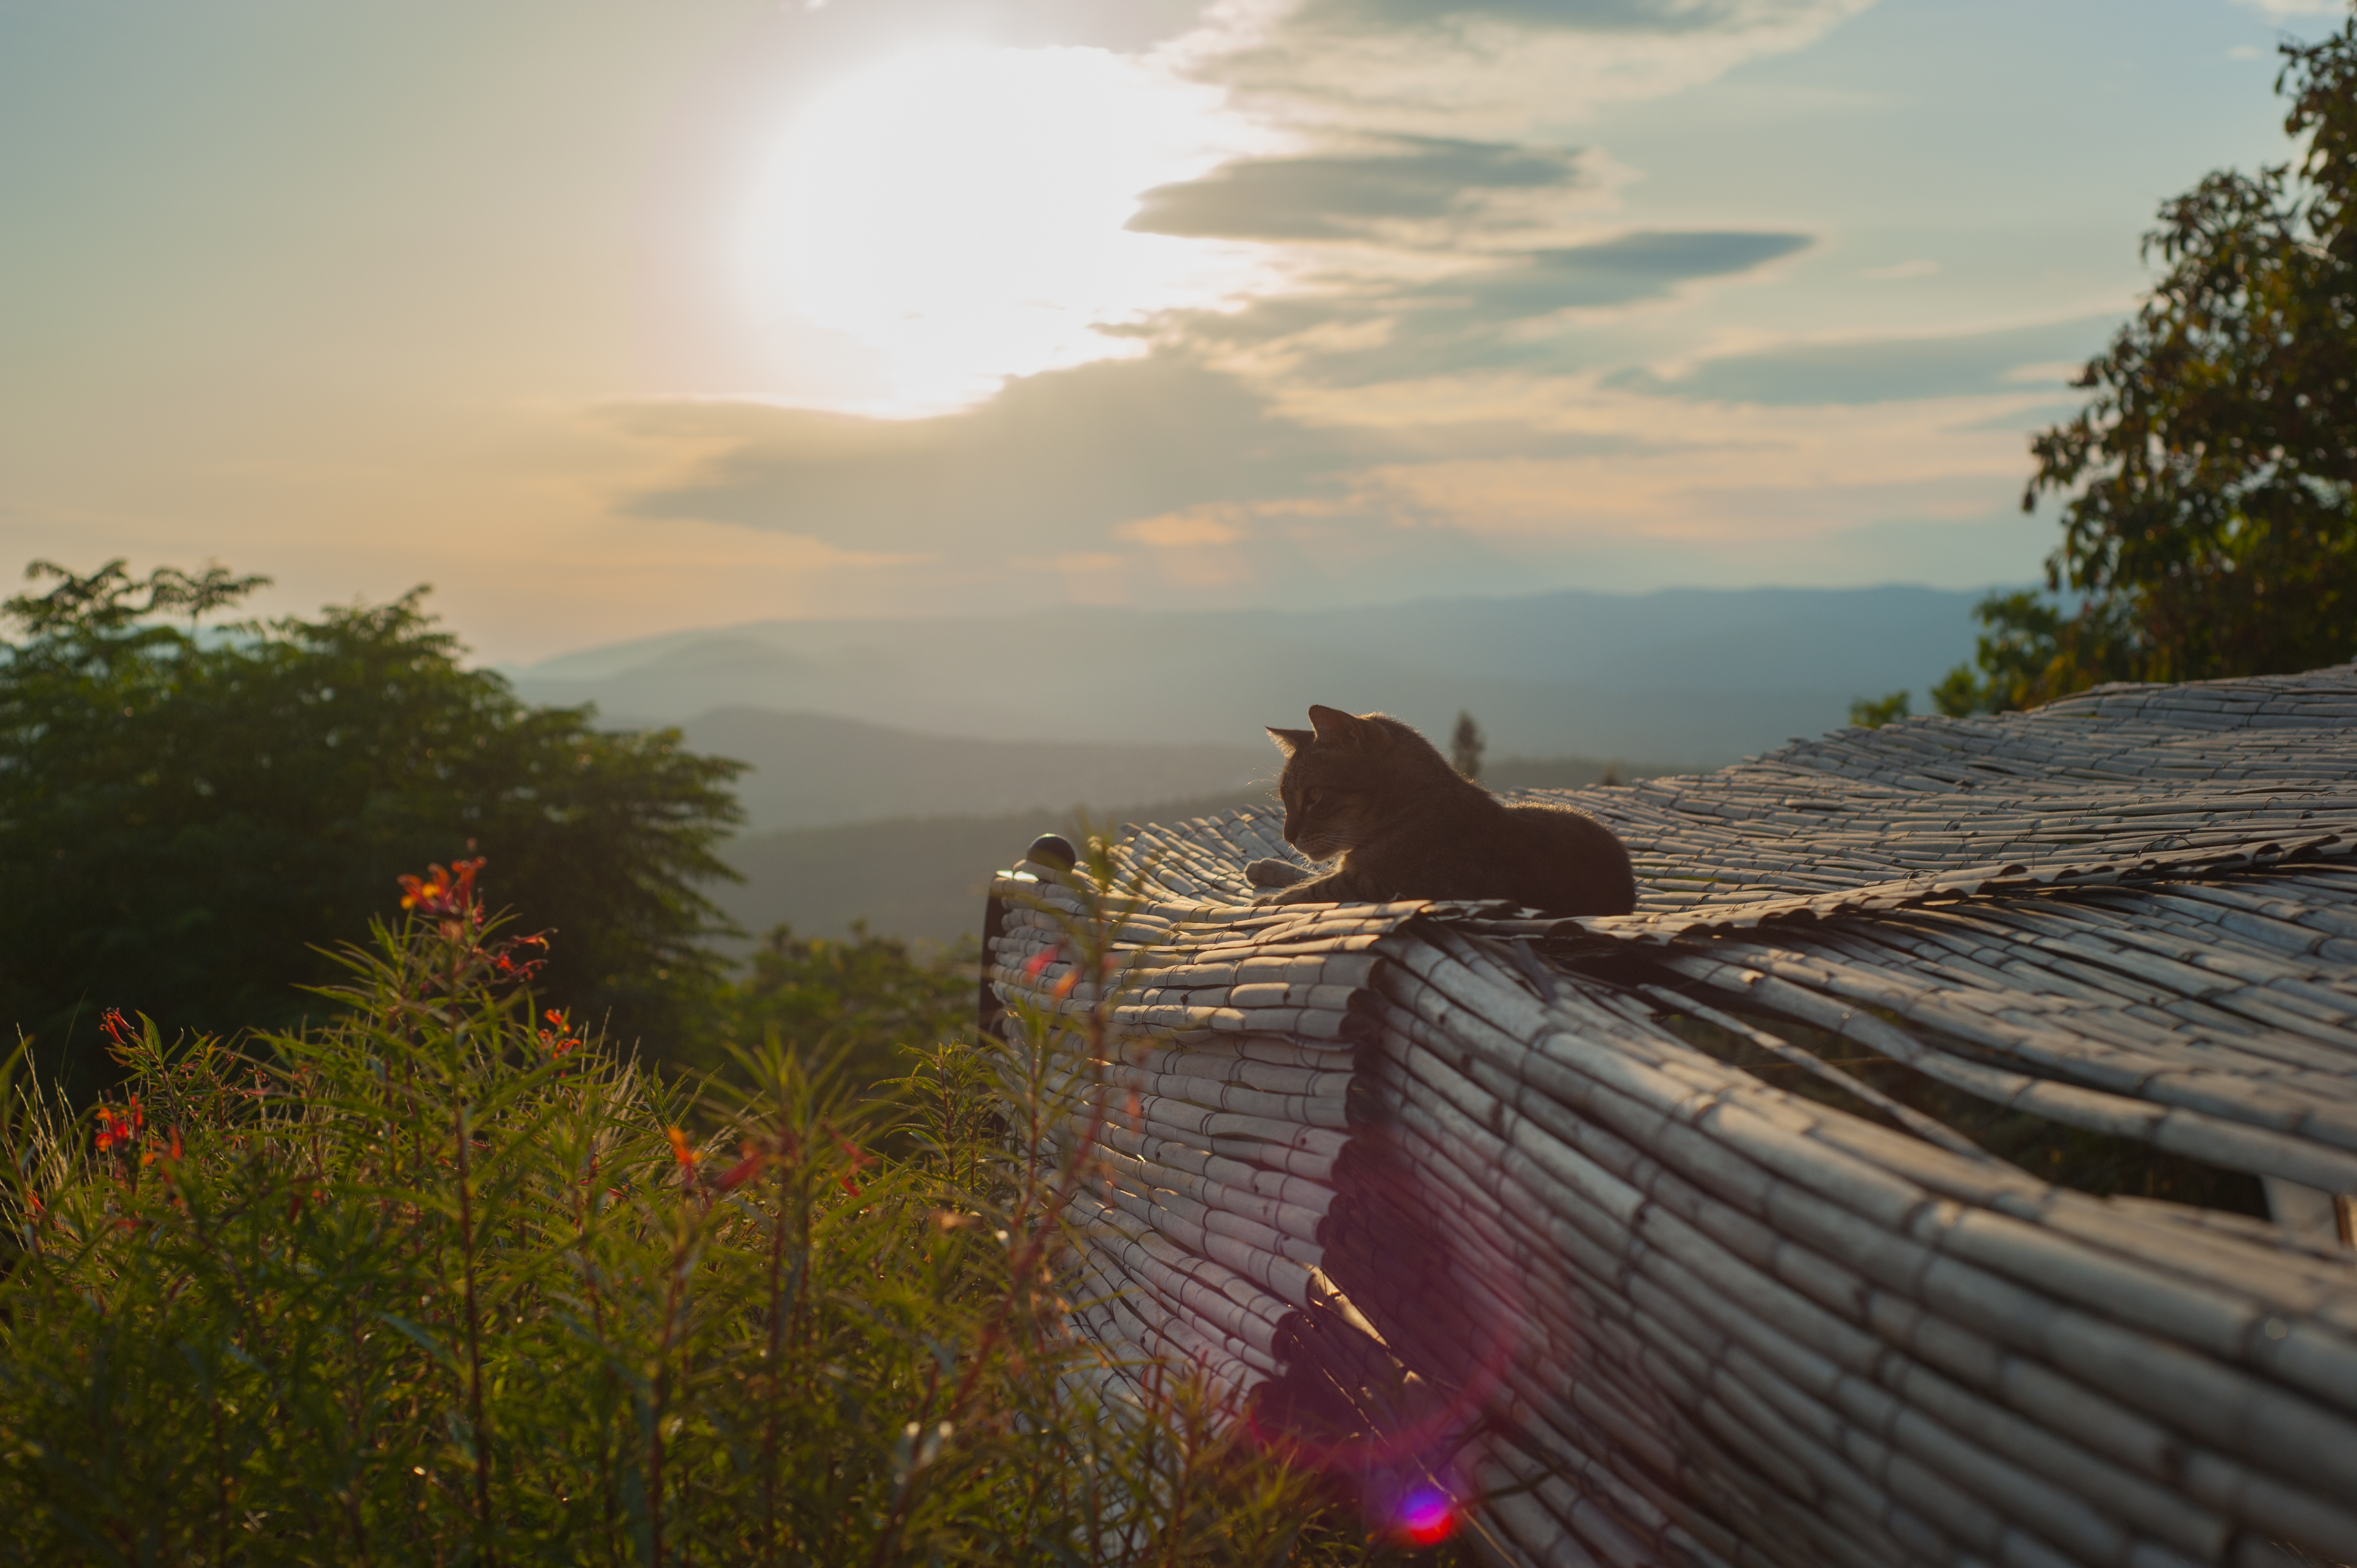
point(1706, 1309)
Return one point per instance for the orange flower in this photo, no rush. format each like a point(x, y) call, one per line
point(680, 1152)
point(518, 969)
point(560, 1039)
point(442, 891)
point(172, 1153)
point(117, 1128)
point(118, 1028)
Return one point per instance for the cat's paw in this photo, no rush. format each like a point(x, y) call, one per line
point(1272, 873)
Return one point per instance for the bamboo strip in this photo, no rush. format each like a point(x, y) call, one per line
point(1725, 1280)
point(2138, 902)
point(2234, 1145)
point(1896, 1261)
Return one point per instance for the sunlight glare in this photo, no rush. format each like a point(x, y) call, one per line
point(960, 212)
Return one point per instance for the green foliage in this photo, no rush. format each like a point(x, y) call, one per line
point(437, 1283)
point(2210, 525)
point(1873, 713)
point(183, 812)
point(860, 1004)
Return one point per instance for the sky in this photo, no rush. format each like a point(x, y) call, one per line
point(612, 317)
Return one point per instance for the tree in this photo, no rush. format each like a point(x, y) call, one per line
point(858, 1002)
point(1465, 746)
point(2209, 518)
point(1873, 713)
point(187, 813)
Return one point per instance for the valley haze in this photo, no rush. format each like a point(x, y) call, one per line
point(1697, 676)
point(896, 762)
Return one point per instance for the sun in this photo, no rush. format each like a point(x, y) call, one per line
point(960, 210)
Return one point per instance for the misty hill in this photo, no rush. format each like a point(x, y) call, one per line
point(924, 878)
point(1690, 675)
point(814, 768)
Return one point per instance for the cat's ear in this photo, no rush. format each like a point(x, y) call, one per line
point(1336, 727)
point(1289, 741)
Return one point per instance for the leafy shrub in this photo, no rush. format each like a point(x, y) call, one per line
point(440, 1280)
point(2208, 486)
point(184, 810)
point(855, 1002)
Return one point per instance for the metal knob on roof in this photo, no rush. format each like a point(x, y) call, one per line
point(1052, 849)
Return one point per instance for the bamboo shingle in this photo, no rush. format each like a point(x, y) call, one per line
point(1451, 1178)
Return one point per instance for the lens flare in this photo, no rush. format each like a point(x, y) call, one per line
point(1428, 1516)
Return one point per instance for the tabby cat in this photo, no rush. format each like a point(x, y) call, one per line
point(1371, 791)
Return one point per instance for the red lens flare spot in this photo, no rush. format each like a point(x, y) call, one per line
point(1428, 1516)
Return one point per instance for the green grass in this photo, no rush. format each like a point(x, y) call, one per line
point(442, 1281)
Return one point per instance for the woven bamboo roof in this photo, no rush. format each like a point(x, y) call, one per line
point(1531, 1207)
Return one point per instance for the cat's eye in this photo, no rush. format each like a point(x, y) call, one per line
point(1313, 800)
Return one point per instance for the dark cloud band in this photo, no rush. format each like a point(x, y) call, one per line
point(1348, 196)
point(1673, 16)
point(1618, 271)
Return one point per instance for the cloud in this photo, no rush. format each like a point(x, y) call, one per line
point(1153, 479)
point(1667, 16)
point(1499, 314)
point(1405, 183)
point(1184, 530)
point(1642, 265)
point(1158, 458)
point(1485, 68)
point(1054, 462)
point(1884, 369)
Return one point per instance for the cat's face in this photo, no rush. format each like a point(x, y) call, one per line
point(1332, 781)
point(1323, 819)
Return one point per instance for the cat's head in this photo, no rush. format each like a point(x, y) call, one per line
point(1342, 776)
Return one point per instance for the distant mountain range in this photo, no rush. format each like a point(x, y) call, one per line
point(815, 770)
point(1690, 676)
point(896, 762)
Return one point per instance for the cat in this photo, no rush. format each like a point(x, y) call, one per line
point(1404, 825)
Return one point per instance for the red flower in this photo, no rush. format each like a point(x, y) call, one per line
point(442, 891)
point(117, 1128)
point(682, 1153)
point(518, 969)
point(118, 1028)
point(561, 1039)
point(1040, 960)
